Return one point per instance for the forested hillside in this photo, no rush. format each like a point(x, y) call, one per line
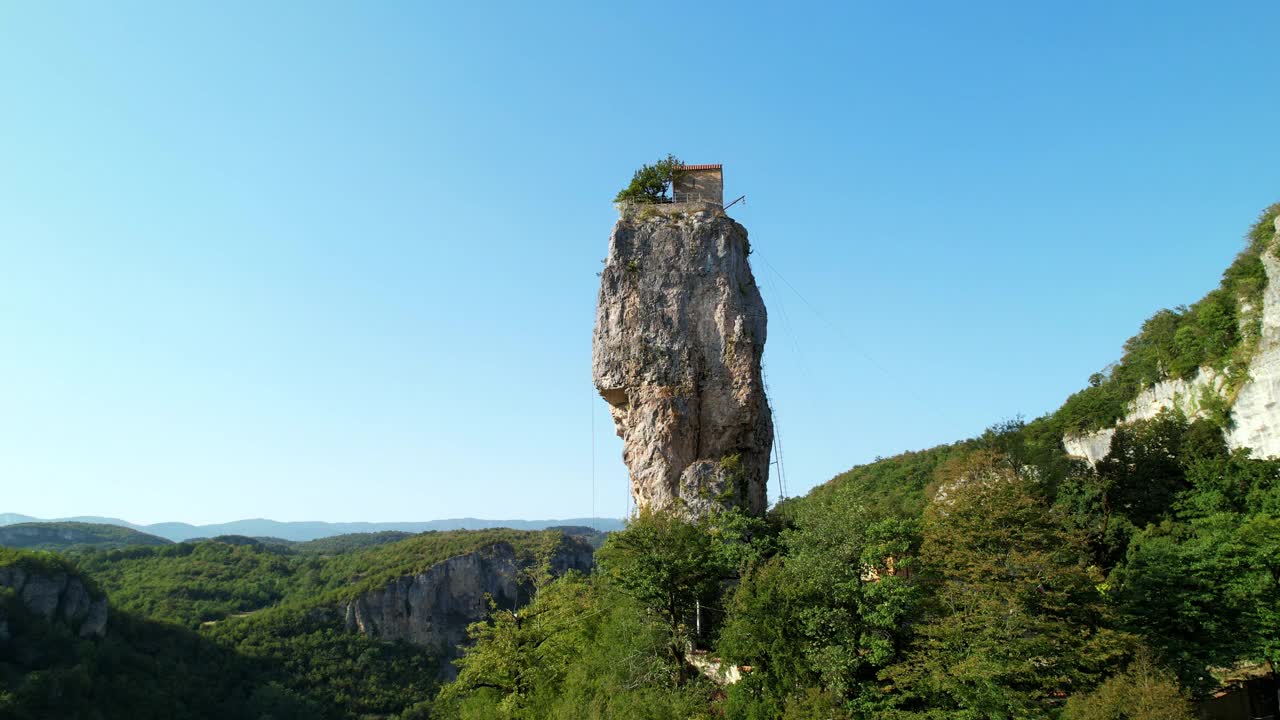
point(73, 536)
point(995, 577)
point(231, 628)
point(999, 579)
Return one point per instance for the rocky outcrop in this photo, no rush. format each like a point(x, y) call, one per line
point(1090, 447)
point(1255, 409)
point(1176, 394)
point(56, 595)
point(679, 332)
point(433, 608)
point(575, 553)
point(1255, 415)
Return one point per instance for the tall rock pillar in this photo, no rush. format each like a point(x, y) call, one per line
point(680, 329)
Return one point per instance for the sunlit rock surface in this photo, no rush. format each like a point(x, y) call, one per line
point(679, 332)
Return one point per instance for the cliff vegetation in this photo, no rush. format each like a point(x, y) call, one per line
point(1220, 331)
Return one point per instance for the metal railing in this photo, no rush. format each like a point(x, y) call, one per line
point(685, 197)
point(678, 200)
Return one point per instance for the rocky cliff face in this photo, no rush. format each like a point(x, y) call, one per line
point(679, 332)
point(432, 609)
point(1255, 409)
point(55, 596)
point(1255, 415)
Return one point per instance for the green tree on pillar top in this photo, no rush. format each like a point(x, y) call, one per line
point(651, 182)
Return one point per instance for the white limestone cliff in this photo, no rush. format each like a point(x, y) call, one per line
point(1255, 411)
point(1255, 415)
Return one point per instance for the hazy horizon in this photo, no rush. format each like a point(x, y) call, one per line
point(402, 521)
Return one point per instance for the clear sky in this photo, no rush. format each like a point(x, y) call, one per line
point(337, 261)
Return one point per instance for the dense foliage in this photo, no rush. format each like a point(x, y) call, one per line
point(190, 583)
point(1027, 585)
point(894, 486)
point(581, 651)
point(1014, 620)
point(228, 628)
point(351, 541)
point(1144, 691)
point(614, 645)
point(651, 183)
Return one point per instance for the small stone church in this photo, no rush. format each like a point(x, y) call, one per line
point(699, 183)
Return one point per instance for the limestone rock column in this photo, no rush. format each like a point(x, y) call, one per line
point(679, 333)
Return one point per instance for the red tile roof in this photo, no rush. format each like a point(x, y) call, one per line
point(717, 166)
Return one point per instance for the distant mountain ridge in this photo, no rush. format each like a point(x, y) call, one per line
point(302, 531)
point(65, 535)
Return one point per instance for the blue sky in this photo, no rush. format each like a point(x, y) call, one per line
point(337, 261)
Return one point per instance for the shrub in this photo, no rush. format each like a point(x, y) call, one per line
point(1142, 692)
